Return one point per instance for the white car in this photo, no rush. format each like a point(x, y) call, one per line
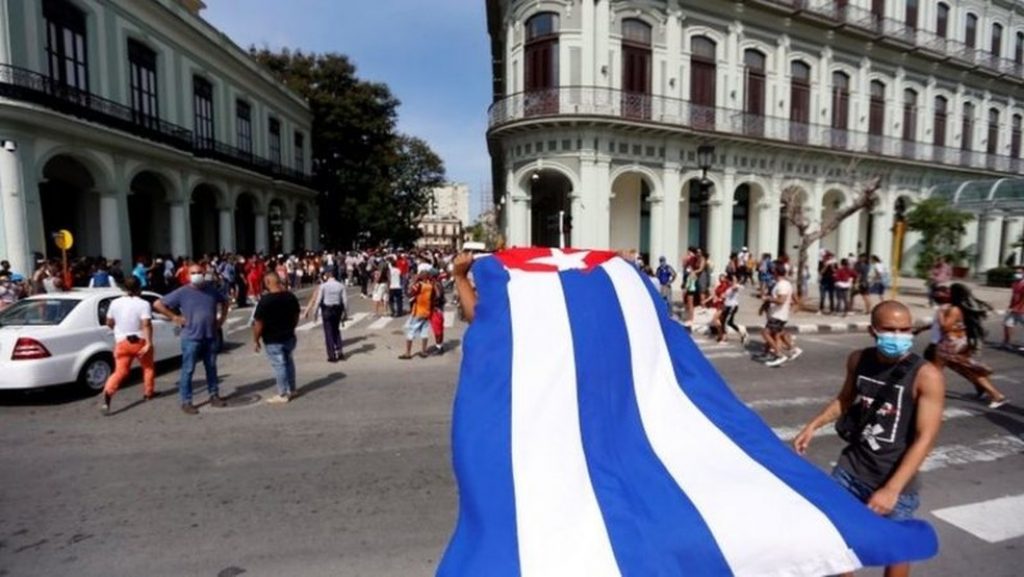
point(59, 338)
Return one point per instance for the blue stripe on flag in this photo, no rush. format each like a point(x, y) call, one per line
point(654, 528)
point(876, 540)
point(484, 542)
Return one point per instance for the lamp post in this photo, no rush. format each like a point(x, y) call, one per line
point(899, 230)
point(705, 156)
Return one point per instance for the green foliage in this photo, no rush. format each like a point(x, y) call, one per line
point(374, 182)
point(941, 226)
point(1000, 277)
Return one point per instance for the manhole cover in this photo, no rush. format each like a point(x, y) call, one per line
point(235, 402)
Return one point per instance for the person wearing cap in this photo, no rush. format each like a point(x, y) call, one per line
point(421, 295)
point(330, 299)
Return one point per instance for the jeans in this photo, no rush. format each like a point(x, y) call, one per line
point(280, 355)
point(906, 503)
point(843, 300)
point(204, 349)
point(826, 292)
point(332, 329)
point(396, 302)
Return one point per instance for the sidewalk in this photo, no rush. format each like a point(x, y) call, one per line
point(912, 292)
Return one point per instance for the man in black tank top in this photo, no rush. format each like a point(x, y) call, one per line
point(889, 411)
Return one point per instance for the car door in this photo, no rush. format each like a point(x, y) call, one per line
point(165, 332)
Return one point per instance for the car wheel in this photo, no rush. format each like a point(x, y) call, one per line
point(95, 373)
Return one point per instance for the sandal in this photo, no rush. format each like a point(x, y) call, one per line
point(405, 357)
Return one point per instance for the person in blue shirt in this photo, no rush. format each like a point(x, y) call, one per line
point(139, 272)
point(202, 309)
point(666, 276)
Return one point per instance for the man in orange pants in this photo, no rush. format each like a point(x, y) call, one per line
point(131, 317)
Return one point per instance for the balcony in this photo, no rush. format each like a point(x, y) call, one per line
point(588, 101)
point(28, 86)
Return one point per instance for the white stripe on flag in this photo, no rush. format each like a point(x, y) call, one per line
point(558, 522)
point(759, 522)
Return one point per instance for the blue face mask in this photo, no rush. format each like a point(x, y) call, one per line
point(894, 345)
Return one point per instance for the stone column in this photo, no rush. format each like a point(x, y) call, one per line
point(227, 229)
point(307, 234)
point(969, 242)
point(767, 227)
point(991, 225)
point(720, 233)
point(262, 245)
point(180, 237)
point(1014, 230)
point(288, 230)
point(110, 226)
point(881, 233)
point(670, 213)
point(657, 235)
point(15, 245)
point(584, 212)
point(603, 212)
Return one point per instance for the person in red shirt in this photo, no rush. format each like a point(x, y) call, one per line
point(1015, 314)
point(182, 273)
point(716, 300)
point(844, 279)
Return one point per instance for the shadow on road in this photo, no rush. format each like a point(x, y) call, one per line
point(320, 383)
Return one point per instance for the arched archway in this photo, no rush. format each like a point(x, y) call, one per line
point(748, 213)
point(68, 201)
point(630, 214)
point(275, 226)
point(550, 209)
point(245, 223)
point(204, 220)
point(695, 213)
point(148, 215)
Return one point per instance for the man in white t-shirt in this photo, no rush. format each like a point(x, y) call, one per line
point(131, 317)
point(395, 292)
point(775, 335)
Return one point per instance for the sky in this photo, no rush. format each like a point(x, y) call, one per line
point(433, 54)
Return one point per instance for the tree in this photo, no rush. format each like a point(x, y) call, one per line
point(365, 170)
point(796, 215)
point(941, 226)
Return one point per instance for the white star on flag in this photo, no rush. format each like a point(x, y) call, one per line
point(563, 261)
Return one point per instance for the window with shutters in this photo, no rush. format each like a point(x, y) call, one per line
point(541, 64)
point(1018, 52)
point(202, 112)
point(243, 120)
point(840, 108)
point(65, 44)
point(299, 162)
point(274, 145)
point(939, 131)
point(909, 123)
point(967, 129)
point(910, 13)
point(703, 71)
point(142, 84)
point(992, 146)
point(942, 20)
point(799, 100)
point(636, 68)
point(997, 40)
point(876, 116)
point(755, 63)
point(971, 31)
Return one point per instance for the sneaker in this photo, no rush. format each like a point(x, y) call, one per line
point(278, 399)
point(216, 401)
point(796, 353)
point(777, 362)
point(189, 409)
point(105, 404)
point(999, 403)
point(743, 339)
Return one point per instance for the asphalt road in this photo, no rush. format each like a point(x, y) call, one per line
point(354, 477)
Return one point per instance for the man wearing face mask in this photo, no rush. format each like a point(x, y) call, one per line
point(199, 303)
point(889, 412)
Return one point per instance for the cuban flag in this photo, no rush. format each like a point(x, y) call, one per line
point(592, 438)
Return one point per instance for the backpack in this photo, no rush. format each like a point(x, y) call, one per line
point(101, 279)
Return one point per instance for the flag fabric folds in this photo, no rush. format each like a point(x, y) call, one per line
point(591, 437)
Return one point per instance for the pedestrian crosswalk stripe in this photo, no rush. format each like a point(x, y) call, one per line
point(379, 323)
point(789, 402)
point(790, 433)
point(308, 326)
point(724, 355)
point(992, 521)
point(991, 449)
point(355, 318)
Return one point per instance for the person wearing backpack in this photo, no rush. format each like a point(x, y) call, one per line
point(101, 278)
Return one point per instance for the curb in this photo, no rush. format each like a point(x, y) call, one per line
point(827, 328)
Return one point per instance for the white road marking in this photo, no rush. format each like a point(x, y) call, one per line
point(355, 318)
point(379, 323)
point(988, 450)
point(308, 326)
point(790, 402)
point(712, 355)
point(992, 521)
point(790, 433)
point(449, 319)
point(824, 341)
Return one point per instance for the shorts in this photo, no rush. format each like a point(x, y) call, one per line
point(906, 504)
point(877, 289)
point(417, 328)
point(380, 293)
point(1013, 320)
point(776, 326)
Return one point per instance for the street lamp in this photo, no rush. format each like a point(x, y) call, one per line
point(705, 156)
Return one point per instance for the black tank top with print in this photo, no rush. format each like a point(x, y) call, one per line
point(874, 458)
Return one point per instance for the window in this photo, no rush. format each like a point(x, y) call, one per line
point(997, 40)
point(703, 72)
point(911, 13)
point(971, 32)
point(840, 108)
point(909, 123)
point(274, 127)
point(942, 20)
point(300, 152)
point(541, 63)
point(876, 116)
point(799, 100)
point(142, 83)
point(202, 110)
point(1015, 136)
point(243, 116)
point(65, 44)
point(636, 68)
point(755, 62)
point(992, 147)
point(967, 130)
point(1018, 52)
point(941, 115)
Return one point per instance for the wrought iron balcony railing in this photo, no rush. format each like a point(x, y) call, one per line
point(28, 86)
point(606, 102)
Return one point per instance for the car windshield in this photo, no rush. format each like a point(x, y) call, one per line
point(37, 312)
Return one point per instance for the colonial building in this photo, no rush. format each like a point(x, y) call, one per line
point(600, 107)
point(440, 233)
point(451, 201)
point(143, 130)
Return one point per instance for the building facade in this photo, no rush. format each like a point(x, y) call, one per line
point(451, 201)
point(440, 233)
point(143, 130)
point(600, 107)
